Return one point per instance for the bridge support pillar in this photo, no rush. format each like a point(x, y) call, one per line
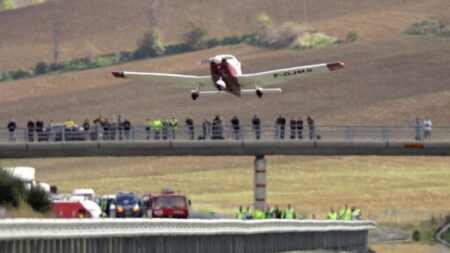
point(260, 182)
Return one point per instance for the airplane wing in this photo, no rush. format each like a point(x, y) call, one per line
point(283, 75)
point(174, 79)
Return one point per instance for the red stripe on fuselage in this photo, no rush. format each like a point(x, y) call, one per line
point(227, 73)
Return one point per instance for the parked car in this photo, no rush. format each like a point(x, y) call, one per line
point(127, 205)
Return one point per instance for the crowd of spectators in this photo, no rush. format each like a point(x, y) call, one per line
point(120, 128)
point(345, 213)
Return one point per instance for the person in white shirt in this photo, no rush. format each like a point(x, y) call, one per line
point(427, 128)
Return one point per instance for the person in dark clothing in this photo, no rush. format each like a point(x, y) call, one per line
point(112, 129)
point(190, 127)
point(236, 127)
point(312, 130)
point(256, 123)
point(217, 128)
point(39, 129)
point(206, 126)
point(280, 124)
point(300, 128)
point(126, 128)
point(86, 128)
point(30, 128)
point(120, 126)
point(277, 213)
point(86, 125)
point(106, 129)
point(293, 127)
point(12, 130)
point(165, 129)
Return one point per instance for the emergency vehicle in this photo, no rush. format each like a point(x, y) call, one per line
point(76, 209)
point(168, 205)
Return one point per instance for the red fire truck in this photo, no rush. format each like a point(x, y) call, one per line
point(168, 205)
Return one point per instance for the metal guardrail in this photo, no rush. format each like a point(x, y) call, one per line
point(227, 132)
point(11, 229)
point(168, 235)
point(440, 233)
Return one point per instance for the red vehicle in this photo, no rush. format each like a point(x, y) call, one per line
point(168, 206)
point(76, 209)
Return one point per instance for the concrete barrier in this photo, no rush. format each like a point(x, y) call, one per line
point(168, 235)
point(220, 148)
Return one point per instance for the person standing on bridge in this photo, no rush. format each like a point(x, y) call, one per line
point(312, 128)
point(190, 127)
point(148, 127)
point(256, 123)
point(206, 127)
point(300, 128)
point(289, 213)
point(12, 130)
point(427, 128)
point(293, 127)
point(39, 129)
point(173, 127)
point(86, 128)
point(236, 127)
point(332, 215)
point(157, 125)
point(30, 128)
point(418, 128)
point(126, 128)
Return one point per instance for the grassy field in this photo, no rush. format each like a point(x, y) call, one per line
point(393, 190)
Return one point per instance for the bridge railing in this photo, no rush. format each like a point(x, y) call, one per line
point(227, 132)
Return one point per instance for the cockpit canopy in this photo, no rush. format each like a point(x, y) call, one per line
point(221, 58)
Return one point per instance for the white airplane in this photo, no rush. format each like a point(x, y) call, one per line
point(226, 76)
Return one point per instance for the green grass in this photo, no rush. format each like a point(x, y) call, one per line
point(393, 190)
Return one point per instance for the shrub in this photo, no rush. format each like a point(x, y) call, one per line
point(197, 37)
point(351, 37)
point(7, 4)
point(127, 55)
point(176, 49)
point(445, 32)
point(425, 26)
point(231, 40)
point(314, 40)
point(56, 66)
point(416, 236)
point(39, 199)
point(12, 190)
point(40, 68)
point(18, 74)
point(104, 60)
point(5, 76)
point(213, 43)
point(150, 45)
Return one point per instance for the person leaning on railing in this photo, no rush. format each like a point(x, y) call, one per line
point(12, 130)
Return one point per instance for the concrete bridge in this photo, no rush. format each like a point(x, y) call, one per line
point(257, 148)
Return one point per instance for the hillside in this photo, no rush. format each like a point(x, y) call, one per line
point(92, 27)
point(389, 78)
point(382, 83)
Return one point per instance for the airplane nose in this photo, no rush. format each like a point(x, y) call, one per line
point(221, 84)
